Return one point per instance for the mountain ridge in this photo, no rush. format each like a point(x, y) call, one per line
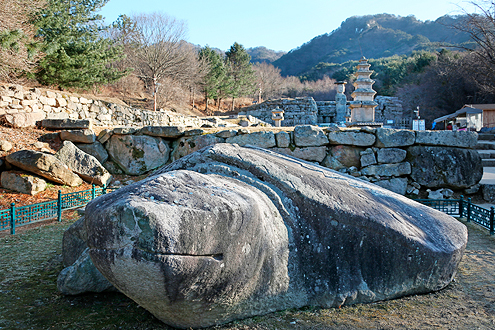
point(373, 36)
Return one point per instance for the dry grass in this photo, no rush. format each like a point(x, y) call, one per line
point(30, 262)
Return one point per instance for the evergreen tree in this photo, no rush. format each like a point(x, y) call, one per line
point(214, 79)
point(240, 72)
point(77, 54)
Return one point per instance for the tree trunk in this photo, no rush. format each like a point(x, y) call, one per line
point(192, 93)
point(154, 93)
point(206, 103)
point(233, 103)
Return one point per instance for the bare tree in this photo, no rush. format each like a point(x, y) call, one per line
point(481, 27)
point(269, 81)
point(17, 37)
point(160, 51)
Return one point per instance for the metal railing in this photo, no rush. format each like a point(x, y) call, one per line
point(462, 208)
point(27, 214)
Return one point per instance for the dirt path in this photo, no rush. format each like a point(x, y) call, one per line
point(30, 262)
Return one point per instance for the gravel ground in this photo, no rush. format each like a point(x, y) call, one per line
point(30, 262)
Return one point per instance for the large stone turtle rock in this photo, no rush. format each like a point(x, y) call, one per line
point(229, 232)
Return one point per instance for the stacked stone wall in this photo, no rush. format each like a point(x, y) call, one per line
point(21, 107)
point(390, 109)
point(297, 111)
point(327, 111)
point(403, 161)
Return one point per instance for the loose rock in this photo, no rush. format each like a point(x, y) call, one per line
point(85, 165)
point(23, 183)
point(44, 165)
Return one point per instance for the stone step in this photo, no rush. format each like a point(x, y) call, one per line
point(486, 154)
point(485, 145)
point(486, 136)
point(488, 162)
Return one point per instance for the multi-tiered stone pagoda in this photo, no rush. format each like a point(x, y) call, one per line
point(363, 106)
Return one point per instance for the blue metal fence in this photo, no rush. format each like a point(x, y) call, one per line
point(462, 208)
point(23, 215)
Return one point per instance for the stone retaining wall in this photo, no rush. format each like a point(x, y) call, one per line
point(22, 107)
point(403, 161)
point(298, 111)
point(305, 110)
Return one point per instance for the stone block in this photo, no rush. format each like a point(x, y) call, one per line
point(51, 101)
point(71, 106)
point(19, 120)
point(78, 136)
point(104, 135)
point(124, 130)
point(169, 132)
point(263, 139)
point(367, 157)
point(343, 157)
point(389, 138)
point(66, 124)
point(61, 102)
point(353, 138)
point(103, 118)
point(439, 167)
point(283, 139)
point(311, 154)
point(226, 133)
point(193, 132)
point(462, 139)
point(84, 100)
point(309, 136)
point(7, 99)
point(387, 170)
point(137, 155)
point(28, 102)
point(391, 155)
point(51, 94)
point(95, 149)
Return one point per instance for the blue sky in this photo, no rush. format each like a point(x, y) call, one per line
point(278, 25)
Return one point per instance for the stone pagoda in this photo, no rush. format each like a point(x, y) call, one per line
point(363, 106)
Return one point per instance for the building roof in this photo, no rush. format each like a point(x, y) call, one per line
point(481, 106)
point(465, 110)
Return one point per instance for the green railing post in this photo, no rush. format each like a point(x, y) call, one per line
point(12, 219)
point(104, 189)
point(59, 206)
point(492, 216)
point(93, 192)
point(469, 210)
point(461, 206)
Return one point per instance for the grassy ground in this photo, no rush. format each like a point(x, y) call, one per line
point(30, 262)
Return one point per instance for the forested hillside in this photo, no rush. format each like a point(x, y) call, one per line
point(263, 54)
point(373, 36)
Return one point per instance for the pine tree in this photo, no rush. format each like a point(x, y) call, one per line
point(215, 77)
point(77, 55)
point(240, 72)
